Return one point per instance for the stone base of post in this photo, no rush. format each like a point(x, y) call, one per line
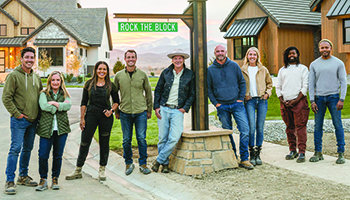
point(200, 152)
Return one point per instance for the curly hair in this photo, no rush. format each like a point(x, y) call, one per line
point(286, 53)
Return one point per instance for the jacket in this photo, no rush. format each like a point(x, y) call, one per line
point(48, 113)
point(132, 100)
point(21, 93)
point(186, 88)
point(226, 84)
point(263, 80)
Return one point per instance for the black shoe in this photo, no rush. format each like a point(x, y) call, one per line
point(165, 169)
point(301, 158)
point(257, 156)
point(292, 155)
point(252, 153)
point(155, 166)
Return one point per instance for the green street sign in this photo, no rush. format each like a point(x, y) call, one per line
point(147, 27)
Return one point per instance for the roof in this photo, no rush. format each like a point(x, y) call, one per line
point(246, 27)
point(86, 25)
point(15, 22)
point(315, 5)
point(339, 9)
point(50, 42)
point(296, 12)
point(12, 42)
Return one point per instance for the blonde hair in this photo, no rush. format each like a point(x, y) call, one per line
point(246, 60)
point(62, 86)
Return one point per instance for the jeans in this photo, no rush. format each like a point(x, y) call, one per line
point(57, 142)
point(236, 109)
point(256, 121)
point(330, 102)
point(22, 140)
point(95, 117)
point(296, 118)
point(127, 121)
point(170, 131)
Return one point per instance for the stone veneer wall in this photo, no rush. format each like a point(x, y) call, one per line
point(205, 153)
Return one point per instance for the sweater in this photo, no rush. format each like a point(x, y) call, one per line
point(291, 81)
point(21, 93)
point(325, 78)
point(226, 84)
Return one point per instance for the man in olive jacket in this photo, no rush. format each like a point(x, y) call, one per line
point(20, 97)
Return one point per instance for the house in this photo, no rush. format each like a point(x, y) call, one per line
point(335, 26)
point(63, 28)
point(272, 26)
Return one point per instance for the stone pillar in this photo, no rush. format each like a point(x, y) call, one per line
point(200, 152)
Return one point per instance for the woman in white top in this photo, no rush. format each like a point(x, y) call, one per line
point(259, 86)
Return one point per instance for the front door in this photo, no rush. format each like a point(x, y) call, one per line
point(2, 61)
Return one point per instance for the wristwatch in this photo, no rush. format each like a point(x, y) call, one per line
point(112, 110)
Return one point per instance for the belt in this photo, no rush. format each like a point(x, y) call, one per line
point(171, 106)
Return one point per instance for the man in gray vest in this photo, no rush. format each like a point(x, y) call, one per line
point(327, 74)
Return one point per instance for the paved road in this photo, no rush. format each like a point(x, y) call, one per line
point(86, 188)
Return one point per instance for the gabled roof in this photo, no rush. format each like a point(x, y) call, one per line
point(86, 25)
point(15, 22)
point(315, 5)
point(339, 9)
point(296, 12)
point(28, 7)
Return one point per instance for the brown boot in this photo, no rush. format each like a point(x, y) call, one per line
point(246, 165)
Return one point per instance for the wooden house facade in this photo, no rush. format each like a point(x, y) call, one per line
point(335, 26)
point(272, 26)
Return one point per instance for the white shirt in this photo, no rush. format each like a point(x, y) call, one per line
point(253, 90)
point(174, 91)
point(291, 81)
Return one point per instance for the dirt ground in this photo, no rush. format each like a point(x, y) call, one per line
point(265, 181)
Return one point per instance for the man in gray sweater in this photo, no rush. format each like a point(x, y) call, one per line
point(327, 74)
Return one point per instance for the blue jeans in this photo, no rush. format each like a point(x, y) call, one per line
point(127, 121)
point(22, 140)
point(170, 131)
point(330, 102)
point(58, 143)
point(236, 109)
point(256, 123)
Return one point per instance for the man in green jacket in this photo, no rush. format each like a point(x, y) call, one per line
point(135, 108)
point(20, 97)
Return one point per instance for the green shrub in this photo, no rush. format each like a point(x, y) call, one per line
point(68, 77)
point(152, 73)
point(74, 79)
point(80, 79)
point(89, 75)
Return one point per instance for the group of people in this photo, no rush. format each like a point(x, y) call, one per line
point(35, 110)
point(243, 93)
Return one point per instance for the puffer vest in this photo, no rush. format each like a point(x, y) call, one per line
point(46, 119)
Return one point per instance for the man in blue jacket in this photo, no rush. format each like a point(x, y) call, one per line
point(173, 96)
point(226, 90)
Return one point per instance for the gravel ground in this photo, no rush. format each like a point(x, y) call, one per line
point(267, 181)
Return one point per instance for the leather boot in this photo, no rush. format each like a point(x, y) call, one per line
point(316, 157)
point(76, 174)
point(341, 159)
point(257, 155)
point(252, 155)
point(101, 173)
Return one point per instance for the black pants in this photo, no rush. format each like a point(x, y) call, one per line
point(95, 117)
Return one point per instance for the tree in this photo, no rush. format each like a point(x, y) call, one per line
point(73, 64)
point(118, 66)
point(45, 61)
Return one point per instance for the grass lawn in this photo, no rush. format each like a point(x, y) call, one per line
point(116, 141)
point(274, 113)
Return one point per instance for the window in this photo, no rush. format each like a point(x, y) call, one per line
point(26, 31)
point(346, 32)
point(3, 30)
point(241, 45)
point(81, 52)
point(2, 61)
point(107, 54)
point(56, 55)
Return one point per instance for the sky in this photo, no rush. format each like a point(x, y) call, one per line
point(217, 11)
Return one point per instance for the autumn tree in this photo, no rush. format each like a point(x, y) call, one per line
point(45, 61)
point(118, 66)
point(73, 64)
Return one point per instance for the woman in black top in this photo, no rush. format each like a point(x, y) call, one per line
point(96, 110)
